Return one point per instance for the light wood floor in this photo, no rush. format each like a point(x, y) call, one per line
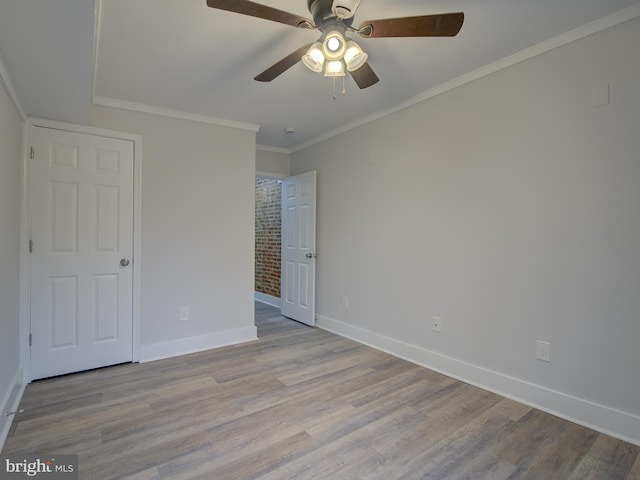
point(301, 403)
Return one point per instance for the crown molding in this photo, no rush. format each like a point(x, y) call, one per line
point(526, 54)
point(267, 148)
point(167, 112)
point(5, 81)
point(97, 27)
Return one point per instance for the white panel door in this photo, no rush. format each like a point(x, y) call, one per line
point(298, 277)
point(81, 202)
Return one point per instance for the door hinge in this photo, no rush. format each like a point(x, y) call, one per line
point(30, 246)
point(30, 339)
point(32, 154)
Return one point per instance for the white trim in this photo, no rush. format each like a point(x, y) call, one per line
point(5, 81)
point(185, 346)
point(267, 148)
point(619, 424)
point(274, 176)
point(70, 127)
point(137, 246)
point(10, 403)
point(25, 222)
point(24, 311)
point(168, 112)
point(546, 46)
point(97, 27)
point(267, 299)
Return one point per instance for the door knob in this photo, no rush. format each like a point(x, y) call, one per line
point(124, 262)
point(311, 255)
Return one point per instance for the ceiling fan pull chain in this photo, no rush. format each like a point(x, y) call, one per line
point(334, 89)
point(344, 87)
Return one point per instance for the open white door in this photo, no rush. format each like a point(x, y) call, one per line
point(298, 277)
point(81, 200)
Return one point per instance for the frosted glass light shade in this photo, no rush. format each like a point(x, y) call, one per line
point(334, 45)
point(314, 59)
point(334, 68)
point(354, 57)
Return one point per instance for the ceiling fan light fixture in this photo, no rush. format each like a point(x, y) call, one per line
point(333, 53)
point(334, 68)
point(334, 45)
point(314, 59)
point(354, 56)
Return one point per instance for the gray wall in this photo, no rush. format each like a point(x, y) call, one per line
point(510, 208)
point(197, 229)
point(10, 155)
point(272, 162)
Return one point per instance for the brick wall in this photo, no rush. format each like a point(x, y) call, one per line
point(268, 213)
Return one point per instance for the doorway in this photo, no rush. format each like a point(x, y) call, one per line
point(268, 233)
point(285, 249)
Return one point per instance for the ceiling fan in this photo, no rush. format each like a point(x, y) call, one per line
point(334, 51)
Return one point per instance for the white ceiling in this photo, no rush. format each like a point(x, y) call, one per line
point(181, 55)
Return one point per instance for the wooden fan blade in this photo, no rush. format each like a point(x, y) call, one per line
point(364, 76)
point(444, 25)
point(245, 7)
point(283, 65)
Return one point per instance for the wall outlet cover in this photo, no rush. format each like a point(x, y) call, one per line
point(437, 324)
point(543, 351)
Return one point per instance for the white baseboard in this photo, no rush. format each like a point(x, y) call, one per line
point(268, 299)
point(184, 346)
point(10, 403)
point(610, 421)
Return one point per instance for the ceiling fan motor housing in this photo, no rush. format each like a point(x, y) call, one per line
point(324, 15)
point(345, 8)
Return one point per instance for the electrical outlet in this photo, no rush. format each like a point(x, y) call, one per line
point(184, 314)
point(345, 302)
point(543, 351)
point(437, 324)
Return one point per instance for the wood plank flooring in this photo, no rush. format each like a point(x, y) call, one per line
point(301, 403)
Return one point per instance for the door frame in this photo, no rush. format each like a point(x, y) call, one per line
point(25, 230)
